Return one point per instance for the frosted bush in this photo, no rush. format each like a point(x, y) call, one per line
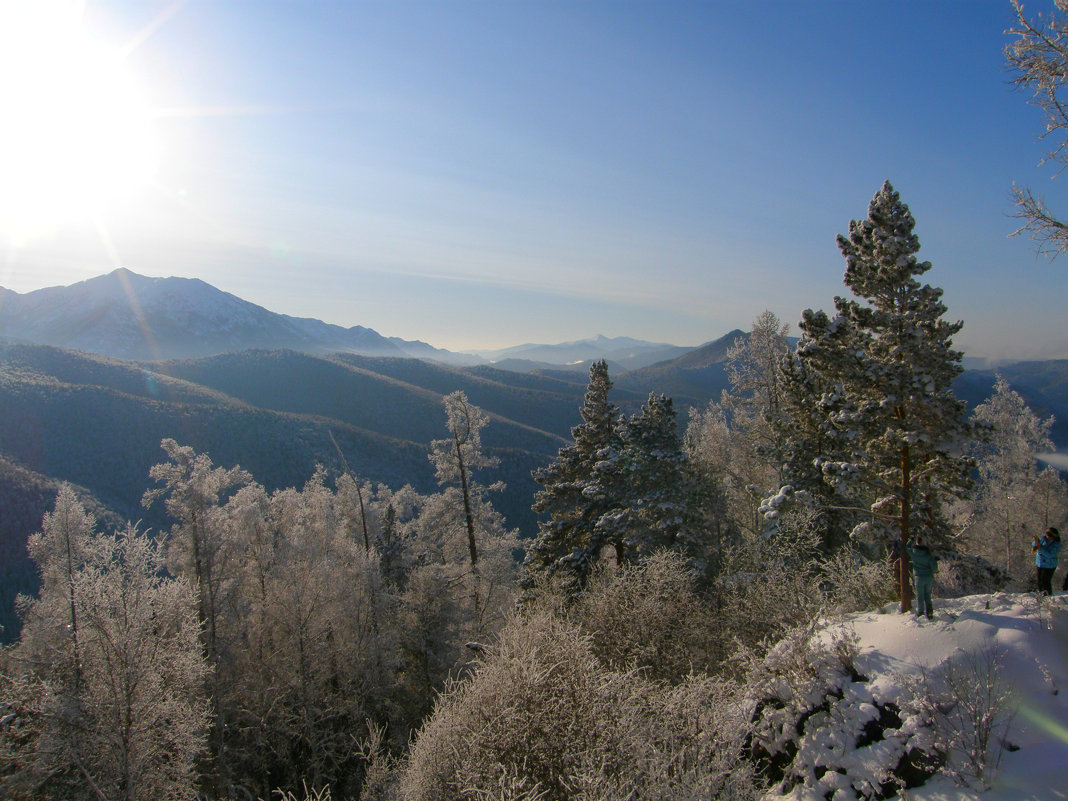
point(542, 718)
point(650, 616)
point(961, 574)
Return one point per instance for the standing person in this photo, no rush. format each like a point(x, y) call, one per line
point(1045, 551)
point(924, 566)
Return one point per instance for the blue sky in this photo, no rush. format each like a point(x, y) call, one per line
point(482, 174)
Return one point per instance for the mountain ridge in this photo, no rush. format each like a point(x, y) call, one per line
point(126, 315)
point(130, 316)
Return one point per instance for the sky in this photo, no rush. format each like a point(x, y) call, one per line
point(481, 174)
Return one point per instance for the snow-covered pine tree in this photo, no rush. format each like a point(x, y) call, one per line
point(893, 427)
point(564, 544)
point(645, 480)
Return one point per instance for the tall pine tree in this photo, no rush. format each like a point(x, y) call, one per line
point(570, 496)
point(892, 428)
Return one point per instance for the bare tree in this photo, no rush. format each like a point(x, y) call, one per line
point(1039, 58)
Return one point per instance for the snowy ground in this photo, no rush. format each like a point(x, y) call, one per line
point(1032, 639)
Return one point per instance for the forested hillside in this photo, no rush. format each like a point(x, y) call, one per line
point(97, 423)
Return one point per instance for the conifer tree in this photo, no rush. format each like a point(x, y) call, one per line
point(566, 542)
point(890, 424)
point(645, 482)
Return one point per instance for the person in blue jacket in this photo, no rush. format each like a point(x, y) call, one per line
point(1045, 551)
point(924, 566)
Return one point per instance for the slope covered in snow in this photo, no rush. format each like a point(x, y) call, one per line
point(1016, 643)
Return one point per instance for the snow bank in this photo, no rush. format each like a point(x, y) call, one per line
point(1029, 636)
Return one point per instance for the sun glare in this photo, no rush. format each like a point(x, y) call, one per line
point(75, 132)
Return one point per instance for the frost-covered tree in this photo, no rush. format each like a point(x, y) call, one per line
point(454, 458)
point(890, 425)
point(198, 549)
point(646, 484)
point(1038, 56)
point(735, 439)
point(192, 490)
point(1014, 500)
point(143, 713)
point(59, 549)
point(307, 653)
point(131, 723)
point(753, 367)
point(566, 541)
point(805, 435)
point(454, 461)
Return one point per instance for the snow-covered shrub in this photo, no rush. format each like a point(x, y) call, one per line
point(967, 707)
point(820, 730)
point(542, 718)
point(771, 584)
point(853, 582)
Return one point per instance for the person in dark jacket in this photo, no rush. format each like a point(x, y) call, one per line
point(924, 566)
point(1045, 551)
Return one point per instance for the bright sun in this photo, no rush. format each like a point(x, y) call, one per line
point(75, 133)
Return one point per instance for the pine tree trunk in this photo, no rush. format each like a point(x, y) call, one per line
point(904, 586)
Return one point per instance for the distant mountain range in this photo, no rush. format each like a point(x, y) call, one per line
point(130, 316)
point(622, 352)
